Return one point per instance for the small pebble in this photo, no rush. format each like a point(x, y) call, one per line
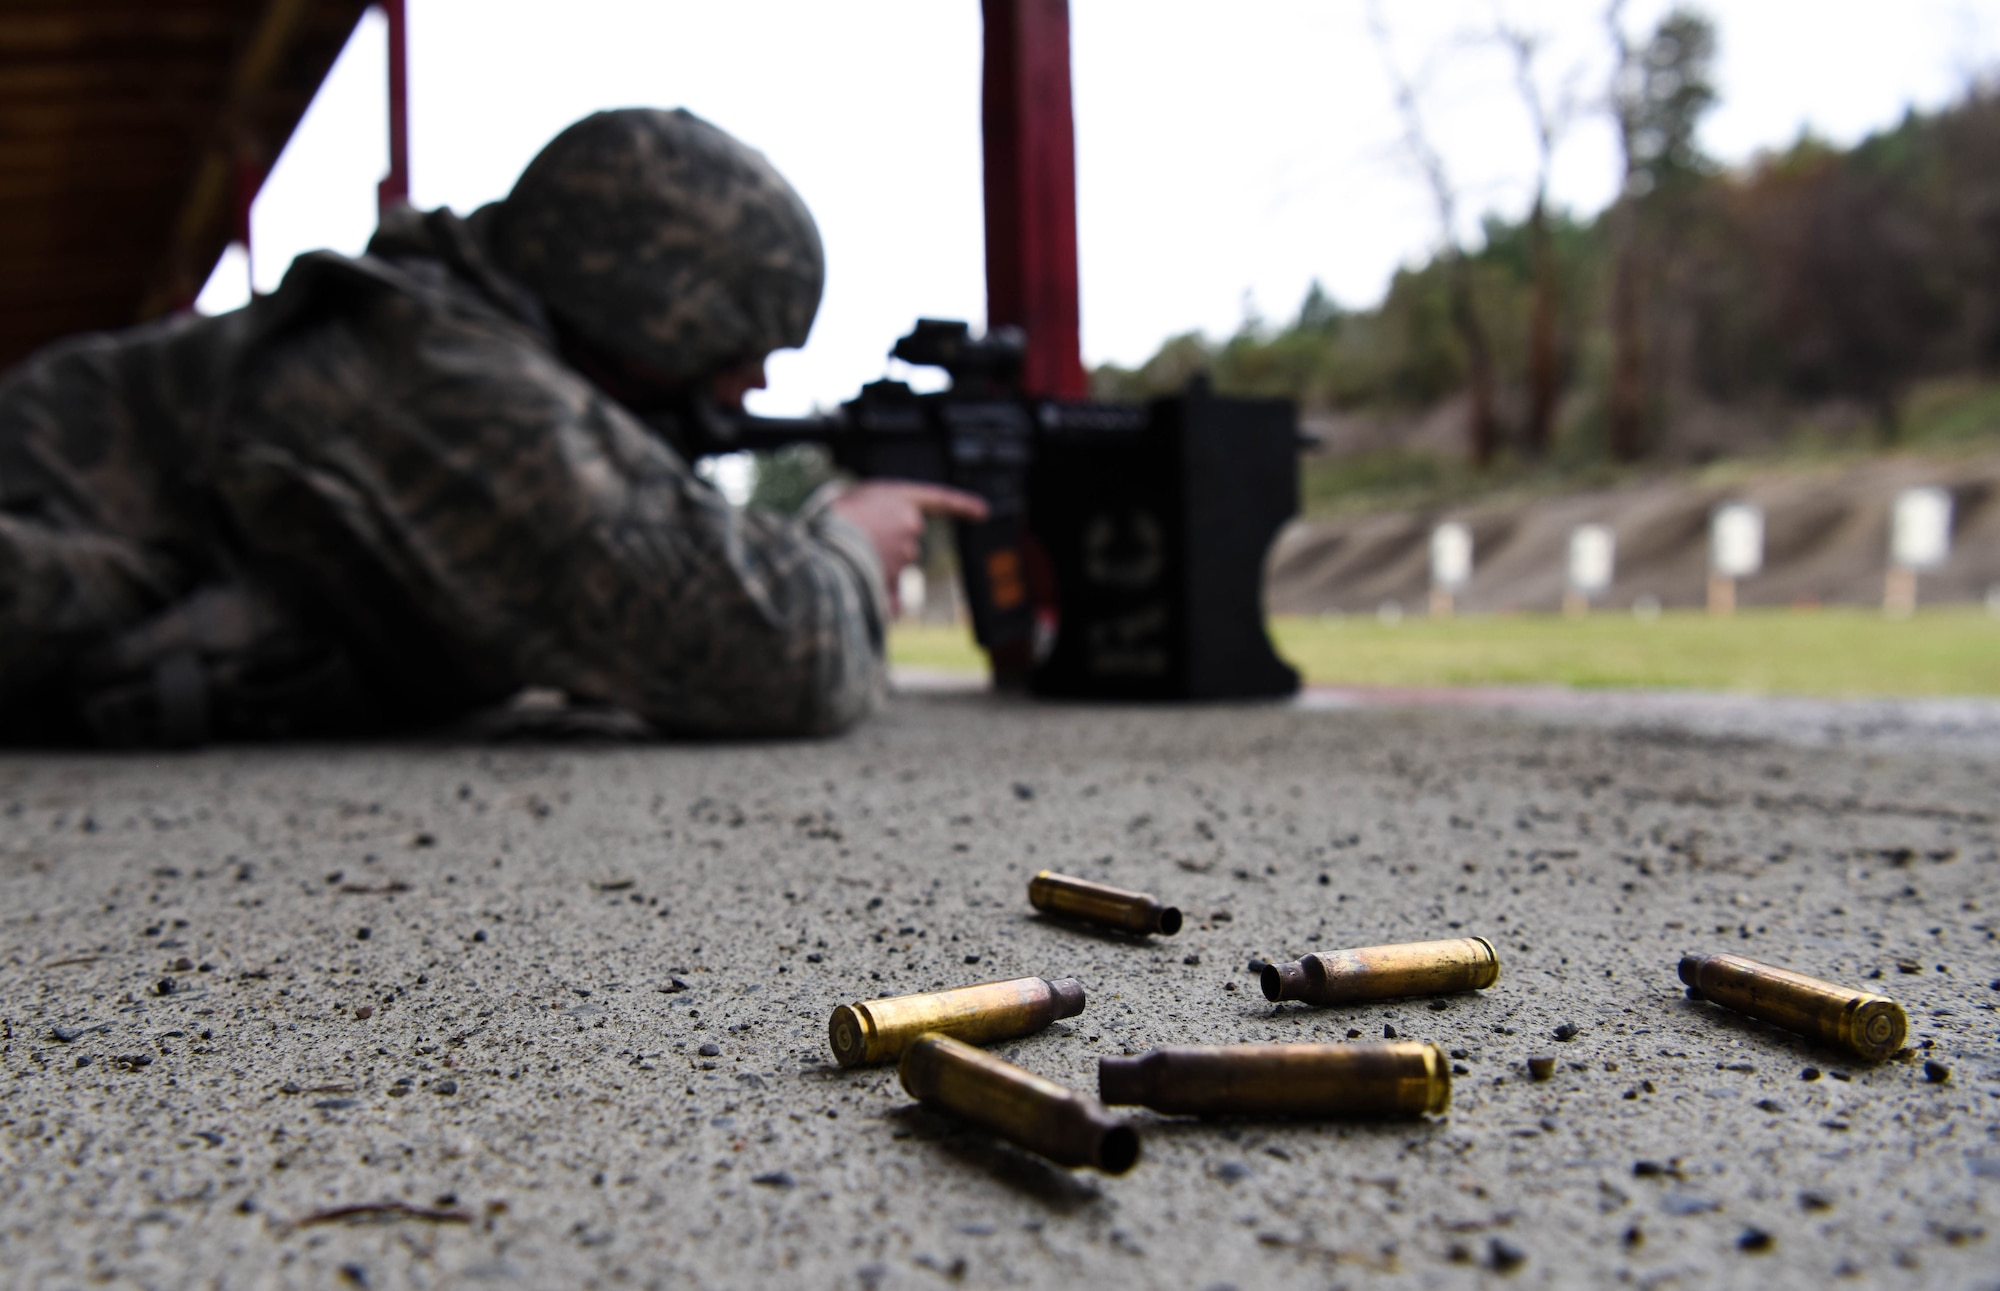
point(1567, 1031)
point(710, 1050)
point(1505, 1256)
point(1684, 1203)
point(1229, 986)
point(1809, 1073)
point(365, 1012)
point(181, 965)
point(815, 958)
point(363, 934)
point(1541, 1067)
point(1353, 1033)
point(1191, 959)
point(972, 959)
point(1755, 1241)
point(446, 1086)
point(1460, 1053)
point(1936, 1072)
point(1258, 965)
point(774, 1179)
point(1815, 1201)
point(1771, 1105)
point(1388, 1032)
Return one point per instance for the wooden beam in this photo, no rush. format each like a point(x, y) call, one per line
point(288, 52)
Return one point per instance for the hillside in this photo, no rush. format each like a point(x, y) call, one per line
point(1826, 540)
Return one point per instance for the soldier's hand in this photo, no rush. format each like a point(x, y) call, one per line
point(891, 513)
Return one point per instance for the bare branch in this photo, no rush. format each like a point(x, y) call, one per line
point(1550, 117)
point(1524, 45)
point(1415, 140)
point(1620, 100)
point(1484, 429)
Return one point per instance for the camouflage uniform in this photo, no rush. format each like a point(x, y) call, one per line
point(380, 494)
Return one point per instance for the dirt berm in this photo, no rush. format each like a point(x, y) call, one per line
point(1826, 542)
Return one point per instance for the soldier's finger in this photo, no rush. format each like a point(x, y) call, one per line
point(936, 499)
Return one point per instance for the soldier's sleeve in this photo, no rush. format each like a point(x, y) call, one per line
point(453, 495)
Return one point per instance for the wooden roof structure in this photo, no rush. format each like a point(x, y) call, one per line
point(133, 134)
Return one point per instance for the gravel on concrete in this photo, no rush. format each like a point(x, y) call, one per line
point(457, 1014)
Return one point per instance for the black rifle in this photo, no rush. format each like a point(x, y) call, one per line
point(1123, 557)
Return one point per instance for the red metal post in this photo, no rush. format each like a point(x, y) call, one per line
point(394, 190)
point(1031, 189)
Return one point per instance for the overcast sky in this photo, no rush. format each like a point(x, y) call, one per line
point(1227, 154)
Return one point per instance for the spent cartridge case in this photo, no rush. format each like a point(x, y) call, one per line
point(1385, 972)
point(1066, 1127)
point(1392, 1078)
point(1135, 912)
point(880, 1030)
point(1864, 1024)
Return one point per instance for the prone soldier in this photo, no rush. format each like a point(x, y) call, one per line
point(410, 484)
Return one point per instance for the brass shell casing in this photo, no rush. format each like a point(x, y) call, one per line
point(1111, 907)
point(879, 1030)
point(1385, 972)
point(1866, 1025)
point(1396, 1078)
point(1066, 1127)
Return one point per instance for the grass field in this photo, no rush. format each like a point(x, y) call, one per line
point(1824, 652)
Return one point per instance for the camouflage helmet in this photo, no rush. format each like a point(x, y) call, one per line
point(656, 237)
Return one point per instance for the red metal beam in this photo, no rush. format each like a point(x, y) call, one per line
point(394, 190)
point(1031, 189)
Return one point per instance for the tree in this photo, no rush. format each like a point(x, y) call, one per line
point(1659, 93)
point(786, 478)
point(1319, 312)
point(1485, 430)
point(1550, 120)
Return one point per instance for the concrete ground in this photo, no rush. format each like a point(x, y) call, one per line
point(414, 1015)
